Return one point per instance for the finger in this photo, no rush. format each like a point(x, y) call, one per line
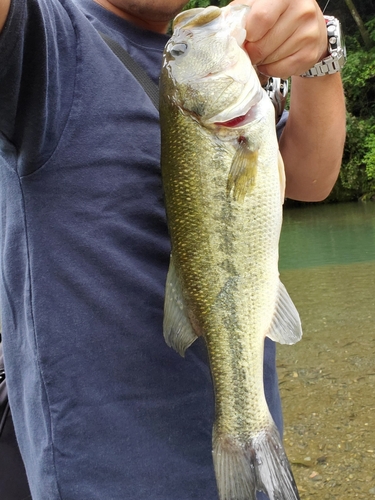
point(262, 17)
point(302, 45)
point(298, 44)
point(293, 64)
point(283, 69)
point(272, 46)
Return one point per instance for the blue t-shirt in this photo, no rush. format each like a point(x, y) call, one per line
point(103, 409)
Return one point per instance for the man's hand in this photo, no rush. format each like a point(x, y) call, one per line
point(285, 37)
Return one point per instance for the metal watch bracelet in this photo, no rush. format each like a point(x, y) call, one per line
point(277, 90)
point(336, 59)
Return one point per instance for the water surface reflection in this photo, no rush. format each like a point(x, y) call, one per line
point(327, 262)
point(321, 235)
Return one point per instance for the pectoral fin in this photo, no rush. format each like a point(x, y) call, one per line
point(286, 324)
point(243, 171)
point(177, 329)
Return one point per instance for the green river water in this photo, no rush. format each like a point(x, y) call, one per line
point(327, 380)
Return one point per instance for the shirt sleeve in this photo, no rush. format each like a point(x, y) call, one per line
point(37, 73)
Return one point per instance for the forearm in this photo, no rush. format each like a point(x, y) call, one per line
point(313, 140)
point(4, 9)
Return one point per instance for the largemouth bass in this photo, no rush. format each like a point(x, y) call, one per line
point(224, 184)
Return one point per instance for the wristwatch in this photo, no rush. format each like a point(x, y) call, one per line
point(336, 59)
point(277, 91)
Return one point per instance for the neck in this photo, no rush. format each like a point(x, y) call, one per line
point(157, 26)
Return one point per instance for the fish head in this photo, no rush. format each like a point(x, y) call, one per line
point(206, 71)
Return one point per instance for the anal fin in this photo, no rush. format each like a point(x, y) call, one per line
point(286, 324)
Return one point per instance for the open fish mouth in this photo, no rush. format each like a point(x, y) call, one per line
point(244, 110)
point(240, 121)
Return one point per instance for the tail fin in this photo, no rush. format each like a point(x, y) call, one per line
point(261, 464)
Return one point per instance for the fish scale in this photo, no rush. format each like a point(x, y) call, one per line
point(223, 190)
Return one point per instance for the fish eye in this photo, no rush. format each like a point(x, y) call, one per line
point(178, 49)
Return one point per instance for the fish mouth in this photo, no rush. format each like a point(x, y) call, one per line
point(249, 97)
point(253, 114)
point(238, 121)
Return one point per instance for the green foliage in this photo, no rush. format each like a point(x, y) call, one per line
point(357, 176)
point(197, 3)
point(371, 28)
point(359, 82)
point(369, 157)
point(205, 3)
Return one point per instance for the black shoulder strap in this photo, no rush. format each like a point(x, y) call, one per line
point(150, 87)
point(4, 404)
